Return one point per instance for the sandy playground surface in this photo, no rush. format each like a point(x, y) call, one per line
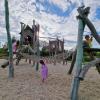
point(27, 85)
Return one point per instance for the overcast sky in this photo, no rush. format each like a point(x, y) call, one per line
point(56, 18)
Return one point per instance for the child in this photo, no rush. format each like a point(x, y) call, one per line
point(88, 41)
point(88, 44)
point(14, 47)
point(44, 70)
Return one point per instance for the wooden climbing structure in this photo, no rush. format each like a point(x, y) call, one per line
point(78, 53)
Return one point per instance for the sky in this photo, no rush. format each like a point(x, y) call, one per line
point(57, 18)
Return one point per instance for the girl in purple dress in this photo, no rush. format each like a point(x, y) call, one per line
point(14, 47)
point(44, 70)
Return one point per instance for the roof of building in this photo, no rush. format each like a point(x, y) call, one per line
point(27, 28)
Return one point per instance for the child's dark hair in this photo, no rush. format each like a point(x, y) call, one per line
point(42, 62)
point(17, 43)
point(87, 36)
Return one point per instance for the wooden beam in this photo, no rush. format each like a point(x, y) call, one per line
point(78, 64)
point(87, 67)
point(11, 67)
point(73, 62)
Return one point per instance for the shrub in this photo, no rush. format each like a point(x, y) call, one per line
point(3, 52)
point(98, 54)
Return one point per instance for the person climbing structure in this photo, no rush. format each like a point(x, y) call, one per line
point(87, 43)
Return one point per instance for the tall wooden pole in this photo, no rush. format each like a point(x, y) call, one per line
point(63, 52)
point(73, 62)
point(11, 67)
point(38, 51)
point(21, 37)
point(78, 64)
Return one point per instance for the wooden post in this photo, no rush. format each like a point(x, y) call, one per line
point(78, 64)
point(34, 41)
point(63, 53)
point(92, 29)
point(34, 36)
point(56, 48)
point(11, 67)
point(49, 49)
point(21, 37)
point(73, 62)
point(38, 51)
point(89, 65)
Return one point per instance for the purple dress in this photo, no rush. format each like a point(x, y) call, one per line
point(44, 71)
point(14, 47)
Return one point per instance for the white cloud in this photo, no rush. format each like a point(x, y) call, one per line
point(61, 3)
point(25, 11)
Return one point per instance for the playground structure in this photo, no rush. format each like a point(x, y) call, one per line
point(30, 40)
point(32, 52)
point(78, 54)
point(55, 49)
point(29, 47)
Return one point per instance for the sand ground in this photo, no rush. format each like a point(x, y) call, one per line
point(27, 85)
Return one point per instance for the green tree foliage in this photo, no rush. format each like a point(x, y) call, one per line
point(44, 52)
point(87, 58)
point(3, 52)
